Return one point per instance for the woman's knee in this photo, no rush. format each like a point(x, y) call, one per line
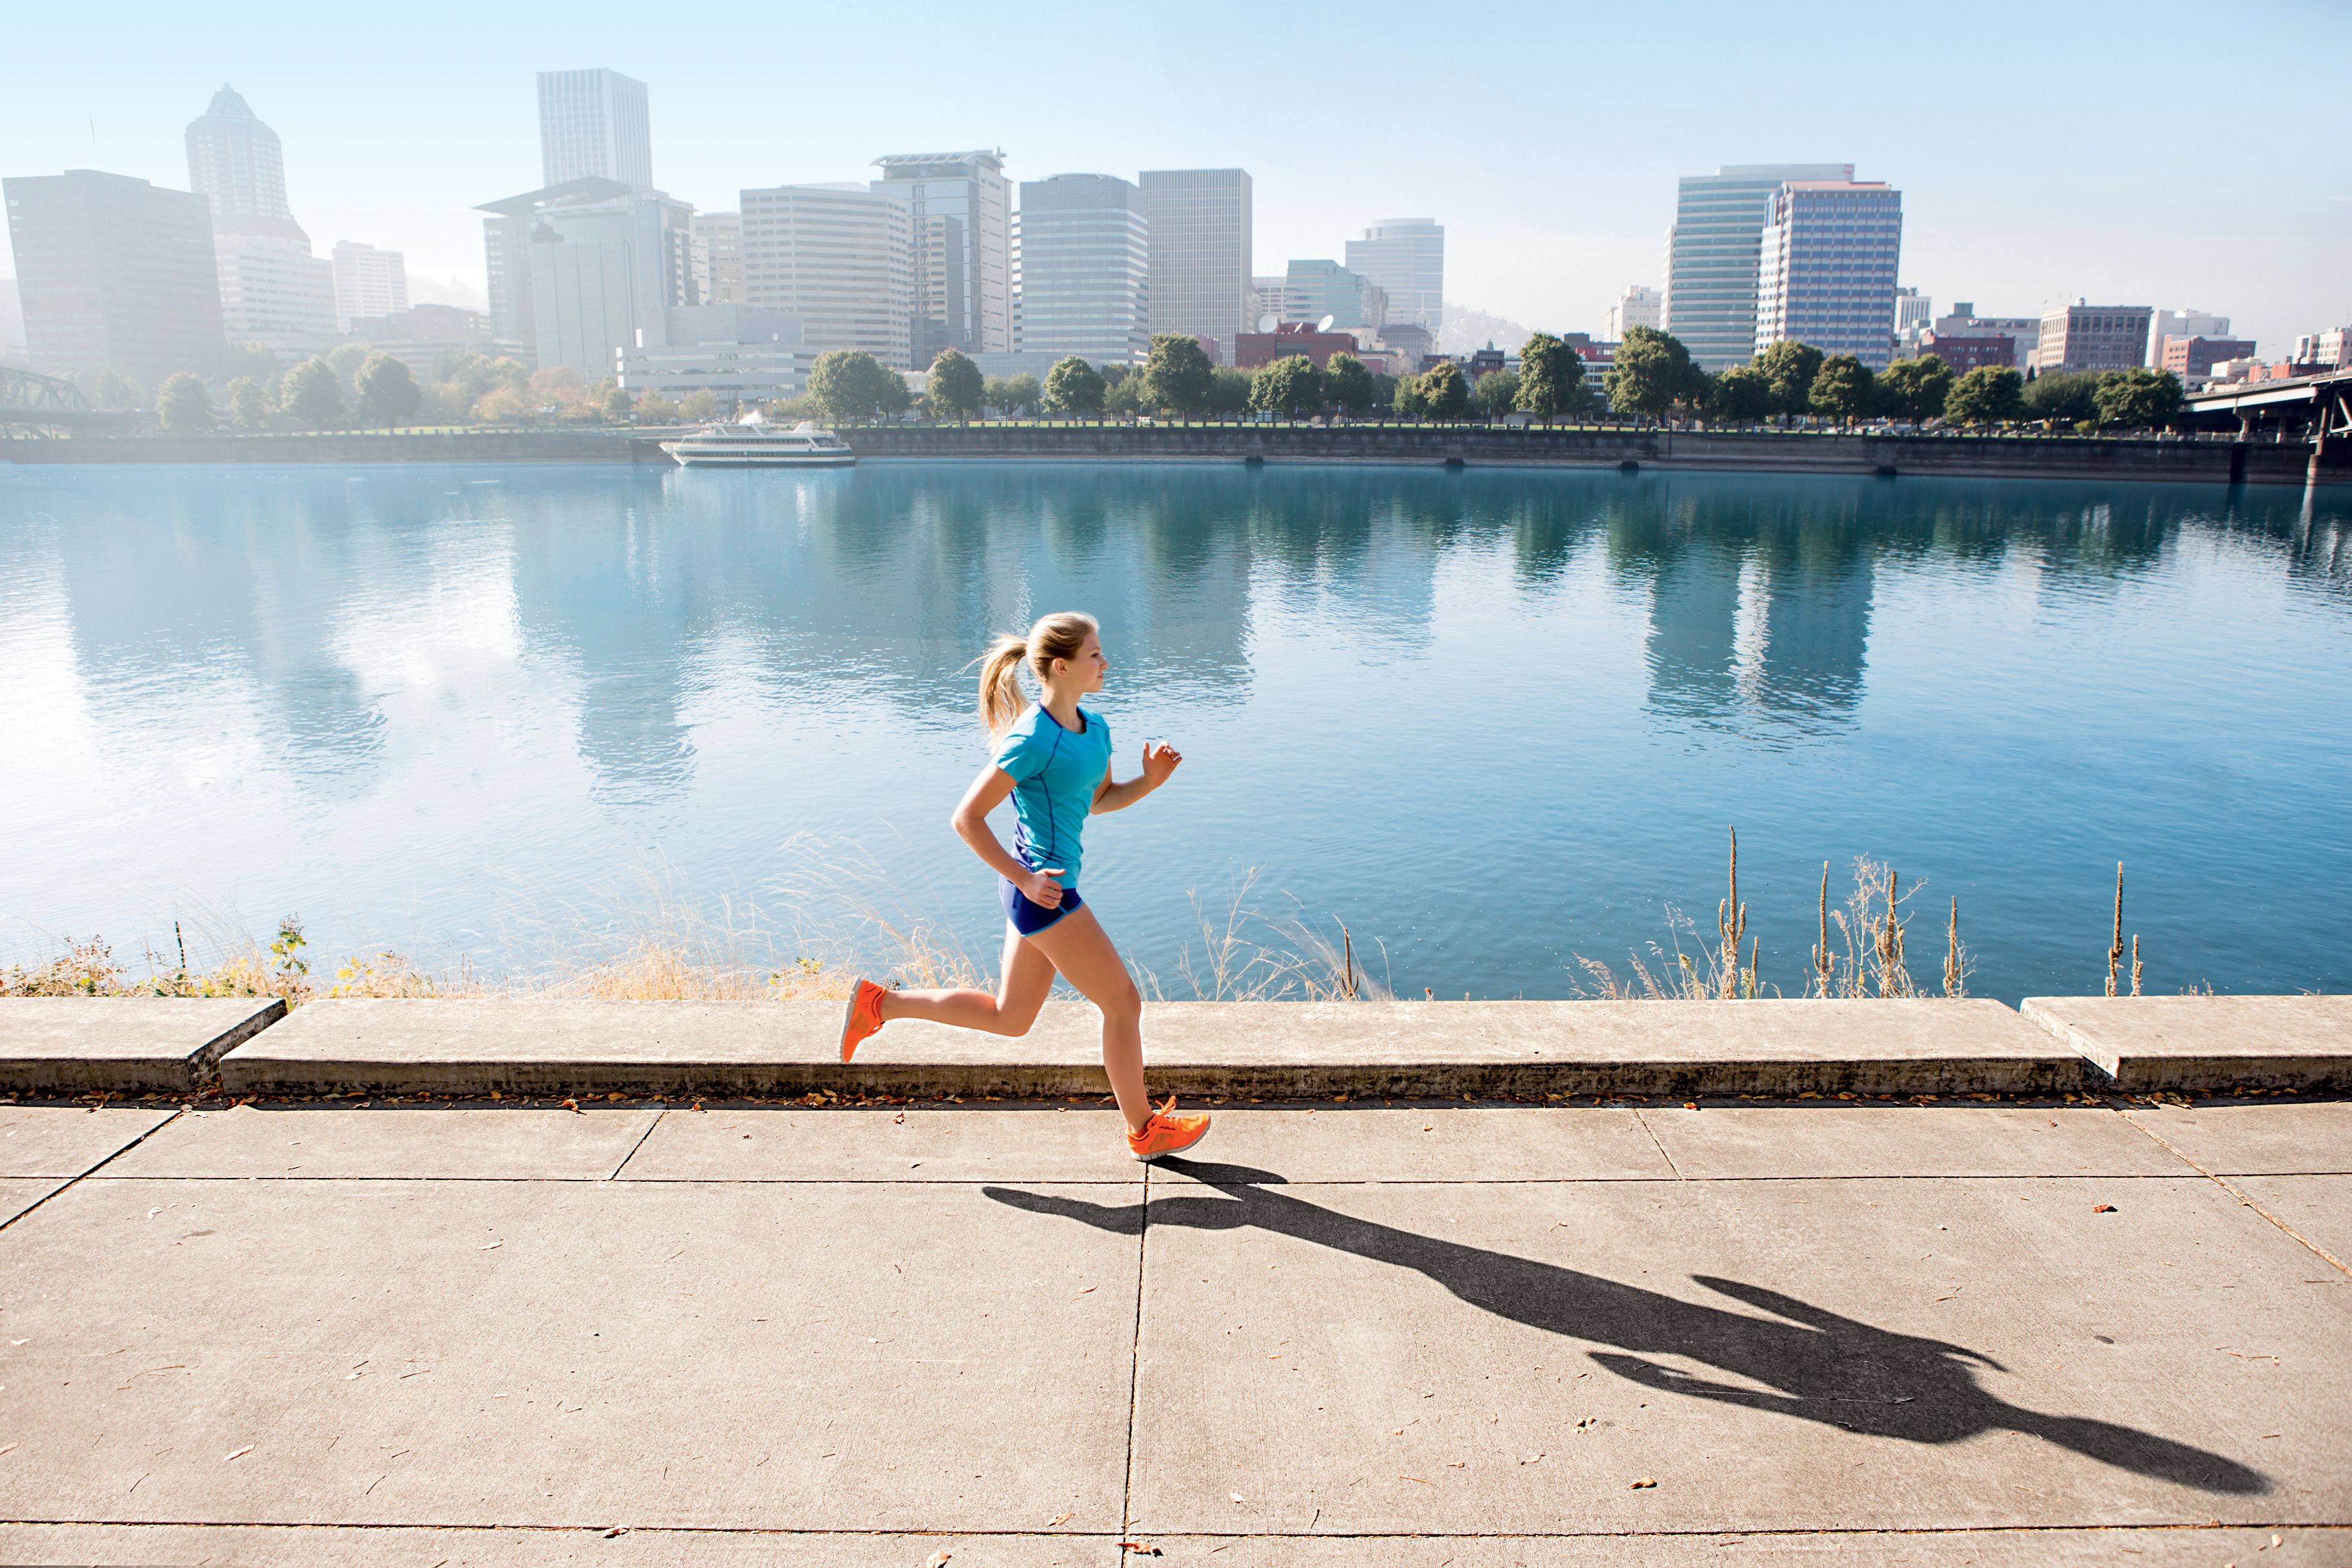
point(1124, 1006)
point(1015, 1018)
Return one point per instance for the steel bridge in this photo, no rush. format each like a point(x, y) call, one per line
point(2316, 408)
point(34, 404)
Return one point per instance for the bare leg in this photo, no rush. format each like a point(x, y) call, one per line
point(1028, 977)
point(1082, 951)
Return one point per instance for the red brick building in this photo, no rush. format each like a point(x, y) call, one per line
point(2193, 359)
point(1251, 350)
point(1963, 354)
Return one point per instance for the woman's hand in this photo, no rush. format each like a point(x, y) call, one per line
point(1040, 888)
point(1158, 763)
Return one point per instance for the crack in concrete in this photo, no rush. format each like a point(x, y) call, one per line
point(2232, 1189)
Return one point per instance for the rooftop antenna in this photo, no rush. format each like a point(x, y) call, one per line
point(1325, 324)
point(1267, 323)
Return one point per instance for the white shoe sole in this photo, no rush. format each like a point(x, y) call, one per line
point(848, 1020)
point(1164, 1154)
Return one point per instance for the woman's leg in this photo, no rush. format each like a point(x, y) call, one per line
point(1082, 951)
point(1028, 977)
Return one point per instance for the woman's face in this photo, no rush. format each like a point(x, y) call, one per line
point(1084, 671)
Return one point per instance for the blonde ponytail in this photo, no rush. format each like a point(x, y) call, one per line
point(1057, 636)
point(1000, 688)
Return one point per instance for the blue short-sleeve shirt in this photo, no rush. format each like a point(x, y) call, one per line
point(1054, 773)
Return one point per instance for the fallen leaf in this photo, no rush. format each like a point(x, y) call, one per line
point(238, 1455)
point(2103, 1208)
point(1402, 1477)
point(1087, 1291)
point(937, 1559)
point(1141, 1548)
point(1237, 1497)
point(1637, 1486)
point(1690, 1105)
point(571, 1105)
point(617, 1530)
point(1456, 1464)
point(1059, 1520)
point(492, 1247)
point(616, 1094)
point(6, 1449)
point(1531, 1459)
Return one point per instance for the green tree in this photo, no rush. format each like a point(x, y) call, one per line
point(1496, 394)
point(1122, 393)
point(997, 393)
point(1843, 389)
point(1742, 392)
point(701, 404)
point(181, 404)
point(2137, 399)
point(1915, 389)
point(388, 393)
point(618, 405)
point(253, 359)
point(1347, 384)
point(1444, 391)
point(558, 383)
point(1020, 394)
point(850, 383)
point(656, 409)
point(1229, 390)
point(1988, 395)
point(1177, 375)
point(346, 360)
point(1653, 372)
point(1291, 386)
point(2061, 397)
point(117, 393)
point(312, 395)
point(1790, 367)
point(1551, 377)
point(1073, 386)
point(1409, 401)
point(954, 386)
point(248, 406)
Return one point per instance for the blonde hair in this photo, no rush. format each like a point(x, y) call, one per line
point(1057, 636)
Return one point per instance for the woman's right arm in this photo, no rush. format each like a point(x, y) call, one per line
point(970, 823)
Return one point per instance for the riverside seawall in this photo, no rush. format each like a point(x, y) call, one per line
point(2115, 459)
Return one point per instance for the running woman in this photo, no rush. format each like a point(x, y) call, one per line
point(1054, 759)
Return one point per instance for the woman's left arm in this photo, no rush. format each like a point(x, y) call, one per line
point(1159, 762)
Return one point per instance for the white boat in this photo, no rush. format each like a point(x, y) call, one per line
point(754, 443)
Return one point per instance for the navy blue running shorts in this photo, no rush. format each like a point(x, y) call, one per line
point(1030, 917)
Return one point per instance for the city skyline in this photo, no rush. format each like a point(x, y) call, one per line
point(2015, 201)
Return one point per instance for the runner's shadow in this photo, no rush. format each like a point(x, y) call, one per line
point(1799, 1361)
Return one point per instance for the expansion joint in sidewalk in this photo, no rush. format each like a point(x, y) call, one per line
point(75, 1180)
point(2231, 1187)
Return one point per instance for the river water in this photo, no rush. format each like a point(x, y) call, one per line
point(1491, 721)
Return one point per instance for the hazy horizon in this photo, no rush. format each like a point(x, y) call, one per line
point(2087, 157)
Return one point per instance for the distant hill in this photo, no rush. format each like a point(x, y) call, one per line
point(1467, 329)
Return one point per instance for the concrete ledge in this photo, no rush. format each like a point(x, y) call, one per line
point(1194, 1048)
point(2196, 1043)
point(135, 1044)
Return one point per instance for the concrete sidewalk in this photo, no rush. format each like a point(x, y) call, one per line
point(1344, 1336)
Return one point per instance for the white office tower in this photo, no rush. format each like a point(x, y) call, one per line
point(1640, 307)
point(1201, 253)
point(1314, 289)
point(576, 271)
point(272, 290)
point(594, 122)
point(1826, 274)
point(1914, 315)
point(368, 282)
point(719, 257)
point(840, 257)
point(1711, 256)
point(1083, 256)
point(960, 212)
point(1406, 257)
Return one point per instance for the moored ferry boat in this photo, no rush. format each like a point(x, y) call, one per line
point(754, 443)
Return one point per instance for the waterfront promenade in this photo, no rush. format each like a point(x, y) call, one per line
point(2072, 1324)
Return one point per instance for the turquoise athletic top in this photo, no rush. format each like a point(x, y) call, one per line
point(1054, 771)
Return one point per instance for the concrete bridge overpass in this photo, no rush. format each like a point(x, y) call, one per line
point(2318, 408)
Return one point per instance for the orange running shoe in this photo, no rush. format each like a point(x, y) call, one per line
point(1168, 1133)
point(860, 1018)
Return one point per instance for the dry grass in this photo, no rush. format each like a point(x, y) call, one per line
point(1246, 954)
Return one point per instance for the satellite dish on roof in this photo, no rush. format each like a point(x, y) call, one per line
point(1325, 324)
point(1267, 323)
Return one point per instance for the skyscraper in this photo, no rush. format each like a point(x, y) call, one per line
point(1084, 261)
point(1826, 265)
point(1201, 252)
point(114, 274)
point(1405, 255)
point(368, 282)
point(1639, 306)
point(1314, 289)
point(839, 257)
point(719, 240)
point(272, 289)
point(959, 214)
point(1711, 256)
point(577, 270)
point(594, 122)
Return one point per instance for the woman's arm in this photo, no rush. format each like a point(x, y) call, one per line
point(1158, 764)
point(971, 822)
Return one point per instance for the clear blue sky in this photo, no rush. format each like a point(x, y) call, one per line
point(2157, 154)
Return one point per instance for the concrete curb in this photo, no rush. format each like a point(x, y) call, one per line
point(130, 1044)
point(2187, 1044)
point(1196, 1049)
